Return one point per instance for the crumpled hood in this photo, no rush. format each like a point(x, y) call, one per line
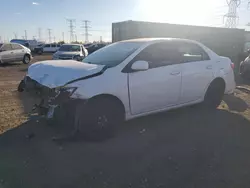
point(54, 73)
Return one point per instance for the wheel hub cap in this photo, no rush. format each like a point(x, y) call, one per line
point(102, 121)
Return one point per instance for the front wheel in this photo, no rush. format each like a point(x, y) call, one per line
point(214, 94)
point(26, 59)
point(100, 118)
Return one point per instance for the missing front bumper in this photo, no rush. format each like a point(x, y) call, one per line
point(39, 99)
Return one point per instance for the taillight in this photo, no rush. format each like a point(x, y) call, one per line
point(232, 65)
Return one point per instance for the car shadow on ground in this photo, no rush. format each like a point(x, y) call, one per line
point(235, 103)
point(11, 64)
point(181, 148)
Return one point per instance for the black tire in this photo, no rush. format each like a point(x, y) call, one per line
point(21, 86)
point(101, 117)
point(214, 94)
point(26, 59)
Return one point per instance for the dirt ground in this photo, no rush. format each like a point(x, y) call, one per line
point(181, 148)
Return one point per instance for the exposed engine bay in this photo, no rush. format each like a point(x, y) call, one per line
point(48, 98)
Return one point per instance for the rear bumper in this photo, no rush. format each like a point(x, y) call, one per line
point(230, 83)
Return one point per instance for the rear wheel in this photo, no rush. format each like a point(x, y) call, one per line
point(101, 117)
point(214, 94)
point(26, 59)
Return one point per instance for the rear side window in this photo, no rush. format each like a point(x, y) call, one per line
point(47, 45)
point(53, 45)
point(160, 54)
point(6, 47)
point(16, 47)
point(191, 52)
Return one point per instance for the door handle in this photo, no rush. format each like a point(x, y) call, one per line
point(175, 73)
point(209, 67)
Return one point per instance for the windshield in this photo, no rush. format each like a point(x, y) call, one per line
point(70, 48)
point(112, 54)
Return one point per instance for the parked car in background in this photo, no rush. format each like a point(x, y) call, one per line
point(92, 48)
point(130, 79)
point(47, 48)
point(12, 52)
point(87, 45)
point(31, 44)
point(244, 68)
point(71, 51)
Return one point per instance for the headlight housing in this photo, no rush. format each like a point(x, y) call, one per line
point(62, 94)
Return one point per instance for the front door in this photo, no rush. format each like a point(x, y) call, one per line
point(159, 86)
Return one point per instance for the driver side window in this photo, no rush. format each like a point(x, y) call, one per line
point(160, 54)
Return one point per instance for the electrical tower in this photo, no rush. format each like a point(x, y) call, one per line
point(25, 34)
point(40, 33)
point(71, 28)
point(86, 30)
point(49, 32)
point(15, 34)
point(232, 17)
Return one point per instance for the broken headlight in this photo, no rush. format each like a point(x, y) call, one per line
point(62, 94)
point(68, 90)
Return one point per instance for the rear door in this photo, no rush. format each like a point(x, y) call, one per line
point(197, 71)
point(18, 51)
point(7, 54)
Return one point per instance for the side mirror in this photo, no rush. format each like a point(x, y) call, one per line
point(140, 66)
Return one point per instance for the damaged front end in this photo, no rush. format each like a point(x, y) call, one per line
point(47, 99)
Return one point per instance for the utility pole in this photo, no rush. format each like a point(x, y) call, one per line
point(25, 34)
point(49, 32)
point(71, 28)
point(86, 30)
point(63, 36)
point(40, 33)
point(76, 37)
point(100, 38)
point(232, 17)
point(15, 35)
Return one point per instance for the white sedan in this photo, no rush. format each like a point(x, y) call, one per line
point(134, 78)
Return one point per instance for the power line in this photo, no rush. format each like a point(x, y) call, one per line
point(49, 32)
point(231, 17)
point(86, 30)
point(71, 28)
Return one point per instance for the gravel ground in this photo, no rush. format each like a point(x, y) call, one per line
point(180, 148)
